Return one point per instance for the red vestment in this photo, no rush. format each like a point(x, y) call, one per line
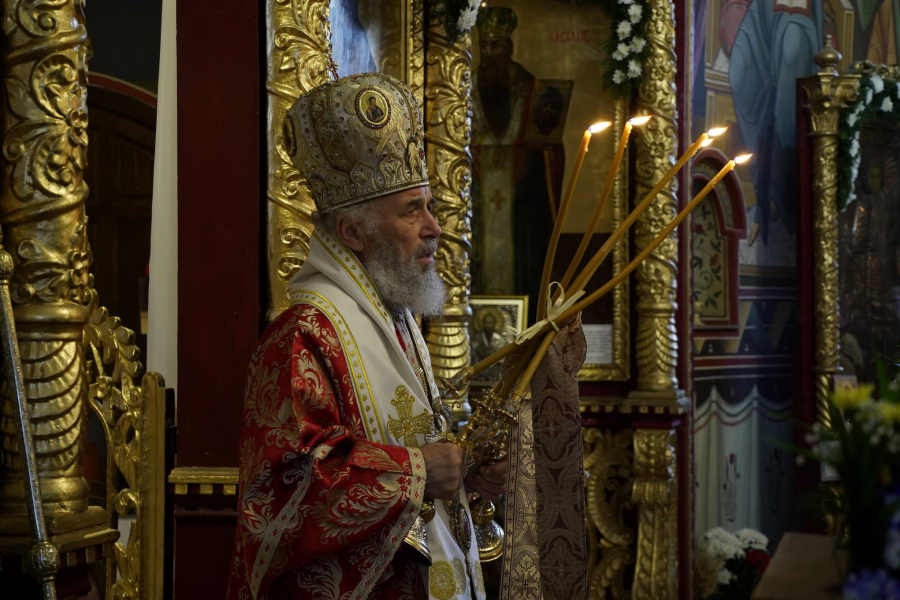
point(322, 510)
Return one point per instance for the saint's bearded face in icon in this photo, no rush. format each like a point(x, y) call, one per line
point(489, 323)
point(493, 80)
point(549, 112)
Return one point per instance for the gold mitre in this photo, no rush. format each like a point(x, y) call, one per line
point(355, 139)
point(496, 22)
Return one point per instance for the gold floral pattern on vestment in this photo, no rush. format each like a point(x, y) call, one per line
point(441, 580)
point(460, 571)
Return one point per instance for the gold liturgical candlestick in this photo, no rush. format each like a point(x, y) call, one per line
point(525, 380)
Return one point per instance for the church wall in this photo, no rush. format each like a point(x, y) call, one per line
point(125, 38)
point(747, 56)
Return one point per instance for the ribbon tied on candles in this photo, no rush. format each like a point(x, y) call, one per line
point(555, 308)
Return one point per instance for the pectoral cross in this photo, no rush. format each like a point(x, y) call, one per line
point(497, 200)
point(407, 426)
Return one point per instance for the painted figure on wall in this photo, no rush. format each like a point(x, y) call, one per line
point(869, 257)
point(514, 220)
point(773, 47)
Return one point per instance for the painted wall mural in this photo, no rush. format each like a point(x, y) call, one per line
point(747, 56)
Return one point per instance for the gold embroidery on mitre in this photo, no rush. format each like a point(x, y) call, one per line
point(407, 426)
point(441, 580)
point(358, 138)
point(460, 571)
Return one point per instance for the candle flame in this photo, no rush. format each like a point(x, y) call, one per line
point(640, 120)
point(706, 142)
point(598, 127)
point(716, 131)
point(742, 158)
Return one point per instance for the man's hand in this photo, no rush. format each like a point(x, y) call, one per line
point(489, 482)
point(444, 470)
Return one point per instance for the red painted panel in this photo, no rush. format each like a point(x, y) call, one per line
point(219, 233)
point(202, 555)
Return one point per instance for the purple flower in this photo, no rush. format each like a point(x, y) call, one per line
point(868, 585)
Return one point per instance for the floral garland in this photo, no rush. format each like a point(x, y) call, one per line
point(877, 100)
point(627, 48)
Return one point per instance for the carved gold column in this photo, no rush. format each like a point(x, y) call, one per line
point(298, 55)
point(828, 93)
point(656, 339)
point(655, 494)
point(45, 231)
point(608, 459)
point(415, 57)
point(447, 135)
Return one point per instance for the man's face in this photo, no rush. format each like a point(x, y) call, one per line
point(489, 323)
point(548, 117)
point(371, 102)
point(495, 51)
point(404, 221)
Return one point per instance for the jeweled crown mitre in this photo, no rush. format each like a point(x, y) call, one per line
point(357, 138)
point(496, 22)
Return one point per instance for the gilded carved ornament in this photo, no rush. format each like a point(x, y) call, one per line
point(827, 93)
point(656, 339)
point(447, 136)
point(298, 58)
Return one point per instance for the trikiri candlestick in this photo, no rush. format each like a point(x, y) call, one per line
point(525, 379)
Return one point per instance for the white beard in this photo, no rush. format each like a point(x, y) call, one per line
point(404, 284)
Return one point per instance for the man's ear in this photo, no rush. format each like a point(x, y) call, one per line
point(350, 233)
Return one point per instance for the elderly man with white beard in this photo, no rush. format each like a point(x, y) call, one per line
point(347, 489)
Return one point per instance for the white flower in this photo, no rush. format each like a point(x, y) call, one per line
point(854, 147)
point(625, 1)
point(637, 44)
point(634, 68)
point(891, 554)
point(725, 577)
point(722, 544)
point(752, 538)
point(634, 13)
point(869, 96)
point(877, 83)
point(618, 77)
point(800, 460)
point(624, 30)
point(467, 18)
point(623, 50)
point(617, 55)
point(887, 105)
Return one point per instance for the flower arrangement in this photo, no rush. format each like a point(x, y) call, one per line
point(627, 47)
point(862, 450)
point(729, 565)
point(877, 99)
point(458, 15)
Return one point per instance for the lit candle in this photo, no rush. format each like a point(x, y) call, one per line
point(607, 247)
point(598, 210)
point(585, 302)
point(561, 215)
